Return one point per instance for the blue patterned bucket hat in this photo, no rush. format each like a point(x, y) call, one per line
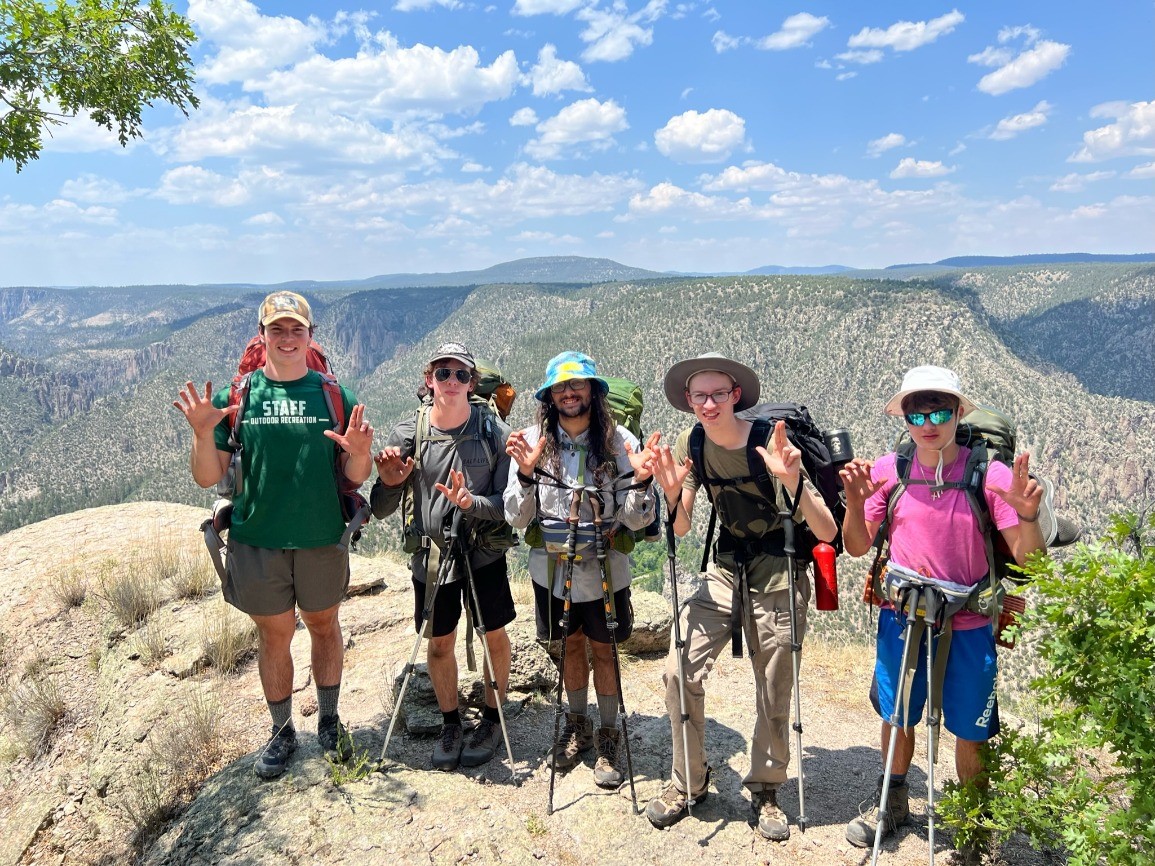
point(566, 366)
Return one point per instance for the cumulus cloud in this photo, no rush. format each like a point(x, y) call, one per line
point(586, 122)
point(919, 168)
point(873, 55)
point(613, 33)
point(523, 117)
point(1132, 133)
point(545, 7)
point(723, 42)
point(796, 31)
point(1146, 171)
point(906, 35)
point(1029, 67)
point(1078, 182)
point(1009, 127)
point(250, 44)
point(91, 189)
point(551, 75)
point(418, 5)
point(887, 142)
point(693, 137)
point(268, 218)
point(192, 184)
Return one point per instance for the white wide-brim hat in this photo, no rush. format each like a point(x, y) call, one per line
point(679, 375)
point(930, 378)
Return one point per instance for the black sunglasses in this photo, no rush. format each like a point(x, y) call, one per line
point(442, 374)
point(938, 416)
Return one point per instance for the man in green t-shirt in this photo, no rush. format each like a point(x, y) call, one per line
point(750, 545)
point(283, 548)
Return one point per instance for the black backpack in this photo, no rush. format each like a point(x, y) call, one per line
point(804, 434)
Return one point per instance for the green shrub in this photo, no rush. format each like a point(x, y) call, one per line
point(1080, 778)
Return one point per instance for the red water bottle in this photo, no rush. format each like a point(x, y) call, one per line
point(825, 577)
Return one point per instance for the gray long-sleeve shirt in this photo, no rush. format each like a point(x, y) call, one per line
point(463, 449)
point(633, 509)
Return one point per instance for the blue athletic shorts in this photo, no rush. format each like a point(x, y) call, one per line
point(970, 708)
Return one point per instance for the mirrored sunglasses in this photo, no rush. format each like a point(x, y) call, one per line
point(938, 416)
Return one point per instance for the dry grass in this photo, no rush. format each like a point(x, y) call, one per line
point(31, 711)
point(70, 588)
point(151, 644)
point(227, 638)
point(193, 575)
point(131, 593)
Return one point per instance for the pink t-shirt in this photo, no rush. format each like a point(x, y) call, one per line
point(940, 537)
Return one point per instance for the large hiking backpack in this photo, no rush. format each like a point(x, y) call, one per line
point(805, 435)
point(493, 388)
point(354, 507)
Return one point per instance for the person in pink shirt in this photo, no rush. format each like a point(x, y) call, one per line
point(934, 531)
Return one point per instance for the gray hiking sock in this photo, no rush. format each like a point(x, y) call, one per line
point(327, 697)
point(608, 710)
point(282, 712)
point(579, 701)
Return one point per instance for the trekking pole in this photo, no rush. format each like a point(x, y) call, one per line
point(570, 555)
point(679, 646)
point(463, 553)
point(909, 597)
point(795, 654)
point(426, 617)
point(931, 602)
point(612, 626)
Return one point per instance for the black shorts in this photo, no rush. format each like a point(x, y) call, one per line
point(492, 582)
point(589, 616)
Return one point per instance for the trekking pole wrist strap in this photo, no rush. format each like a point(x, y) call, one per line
point(526, 480)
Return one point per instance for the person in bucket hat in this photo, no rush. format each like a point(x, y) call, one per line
point(746, 585)
point(933, 531)
point(577, 443)
point(462, 465)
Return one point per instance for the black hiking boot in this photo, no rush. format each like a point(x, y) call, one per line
point(447, 752)
point(482, 745)
point(274, 757)
point(336, 742)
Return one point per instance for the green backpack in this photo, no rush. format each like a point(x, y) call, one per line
point(493, 388)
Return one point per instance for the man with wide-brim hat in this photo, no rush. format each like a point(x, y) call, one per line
point(577, 450)
point(747, 583)
point(933, 530)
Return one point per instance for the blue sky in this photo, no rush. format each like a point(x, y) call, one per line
point(342, 140)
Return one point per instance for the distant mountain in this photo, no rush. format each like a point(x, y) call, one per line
point(1033, 259)
point(788, 269)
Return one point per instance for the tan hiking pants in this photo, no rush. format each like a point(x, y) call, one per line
point(706, 633)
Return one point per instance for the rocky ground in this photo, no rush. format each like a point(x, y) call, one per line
point(108, 769)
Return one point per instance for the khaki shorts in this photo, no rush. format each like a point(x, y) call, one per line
point(263, 581)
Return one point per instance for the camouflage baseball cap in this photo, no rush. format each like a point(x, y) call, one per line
point(285, 305)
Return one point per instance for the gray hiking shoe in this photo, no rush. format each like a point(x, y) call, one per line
point(482, 745)
point(576, 737)
point(860, 831)
point(334, 738)
point(606, 772)
point(447, 752)
point(670, 808)
point(772, 823)
point(274, 757)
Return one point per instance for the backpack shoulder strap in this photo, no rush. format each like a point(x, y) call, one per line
point(759, 474)
point(238, 396)
point(696, 445)
point(334, 400)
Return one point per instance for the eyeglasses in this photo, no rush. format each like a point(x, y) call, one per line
point(575, 385)
point(938, 416)
point(719, 397)
point(442, 374)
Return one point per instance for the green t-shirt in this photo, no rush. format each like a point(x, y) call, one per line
point(289, 494)
point(742, 509)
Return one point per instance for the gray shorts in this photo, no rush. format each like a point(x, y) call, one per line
point(264, 581)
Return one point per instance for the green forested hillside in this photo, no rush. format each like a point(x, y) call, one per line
point(838, 344)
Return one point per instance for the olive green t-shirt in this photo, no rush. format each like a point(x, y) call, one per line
point(742, 509)
point(289, 495)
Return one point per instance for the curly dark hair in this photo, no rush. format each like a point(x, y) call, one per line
point(601, 457)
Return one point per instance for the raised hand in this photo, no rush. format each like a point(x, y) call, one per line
point(357, 440)
point(199, 411)
point(642, 461)
point(391, 467)
point(456, 491)
point(785, 460)
point(524, 455)
point(856, 481)
point(669, 473)
point(1025, 494)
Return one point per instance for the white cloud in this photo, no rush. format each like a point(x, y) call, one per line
point(1146, 171)
point(418, 5)
point(551, 75)
point(268, 218)
point(91, 189)
point(887, 142)
point(906, 35)
point(587, 122)
point(667, 198)
point(191, 184)
point(991, 56)
point(613, 33)
point(874, 55)
point(249, 43)
point(696, 138)
point(919, 168)
point(1132, 133)
point(1009, 127)
point(1078, 182)
point(1029, 67)
point(723, 42)
point(471, 167)
point(796, 31)
point(545, 7)
point(523, 117)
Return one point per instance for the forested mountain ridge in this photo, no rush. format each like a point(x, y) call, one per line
point(1066, 350)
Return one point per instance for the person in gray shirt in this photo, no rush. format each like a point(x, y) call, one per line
point(450, 455)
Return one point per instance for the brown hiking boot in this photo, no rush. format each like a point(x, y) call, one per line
point(576, 737)
point(772, 822)
point(860, 831)
point(670, 808)
point(606, 772)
